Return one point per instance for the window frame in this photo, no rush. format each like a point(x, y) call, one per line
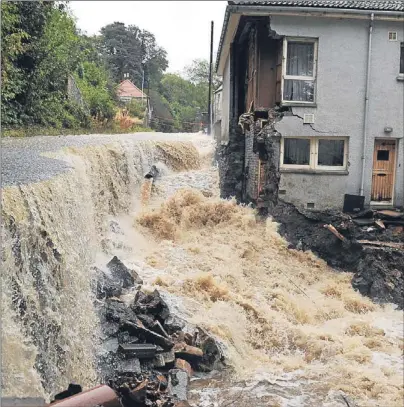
point(312, 78)
point(314, 147)
point(296, 166)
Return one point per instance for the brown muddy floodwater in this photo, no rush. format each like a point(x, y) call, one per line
point(294, 332)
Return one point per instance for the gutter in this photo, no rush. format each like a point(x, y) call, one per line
point(390, 15)
point(365, 118)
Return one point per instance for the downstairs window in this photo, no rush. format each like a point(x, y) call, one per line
point(314, 153)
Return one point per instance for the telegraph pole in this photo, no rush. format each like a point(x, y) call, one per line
point(210, 81)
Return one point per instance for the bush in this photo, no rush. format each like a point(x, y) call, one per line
point(136, 108)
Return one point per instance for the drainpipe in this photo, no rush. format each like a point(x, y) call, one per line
point(365, 119)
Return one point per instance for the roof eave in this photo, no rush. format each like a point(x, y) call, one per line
point(234, 12)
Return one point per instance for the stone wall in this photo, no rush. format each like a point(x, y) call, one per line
point(231, 163)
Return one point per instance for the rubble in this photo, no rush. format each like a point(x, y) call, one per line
point(119, 272)
point(148, 359)
point(354, 242)
point(178, 383)
point(184, 365)
point(111, 283)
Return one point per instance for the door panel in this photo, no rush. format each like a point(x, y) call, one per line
point(384, 163)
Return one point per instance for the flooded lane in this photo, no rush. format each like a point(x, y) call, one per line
point(294, 332)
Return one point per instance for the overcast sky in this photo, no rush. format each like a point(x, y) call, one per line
point(182, 28)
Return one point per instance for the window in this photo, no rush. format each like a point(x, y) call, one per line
point(392, 36)
point(299, 70)
point(402, 58)
point(314, 153)
point(296, 151)
point(330, 153)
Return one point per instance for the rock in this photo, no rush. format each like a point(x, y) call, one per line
point(138, 350)
point(117, 311)
point(111, 345)
point(183, 365)
point(137, 396)
point(110, 328)
point(212, 355)
point(151, 304)
point(173, 324)
point(162, 381)
point(178, 384)
point(131, 366)
point(137, 328)
point(156, 327)
point(126, 337)
point(189, 353)
point(159, 361)
point(147, 320)
point(169, 357)
point(119, 272)
point(188, 339)
point(106, 286)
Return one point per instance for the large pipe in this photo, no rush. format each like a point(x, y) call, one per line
point(98, 396)
point(365, 118)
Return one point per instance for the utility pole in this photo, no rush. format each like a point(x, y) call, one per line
point(210, 81)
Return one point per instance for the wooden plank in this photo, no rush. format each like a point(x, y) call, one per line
point(380, 224)
point(391, 214)
point(382, 244)
point(335, 232)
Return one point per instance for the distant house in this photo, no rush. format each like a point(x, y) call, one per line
point(312, 102)
point(127, 91)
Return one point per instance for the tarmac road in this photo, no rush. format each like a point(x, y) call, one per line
point(22, 162)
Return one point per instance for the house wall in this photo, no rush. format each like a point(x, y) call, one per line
point(225, 107)
point(341, 79)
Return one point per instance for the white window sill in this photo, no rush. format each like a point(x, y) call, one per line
point(298, 104)
point(400, 77)
point(313, 172)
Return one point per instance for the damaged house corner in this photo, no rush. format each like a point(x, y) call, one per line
point(310, 128)
point(302, 115)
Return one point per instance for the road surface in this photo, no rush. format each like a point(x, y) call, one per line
point(22, 161)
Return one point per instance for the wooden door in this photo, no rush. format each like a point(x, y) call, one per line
point(384, 163)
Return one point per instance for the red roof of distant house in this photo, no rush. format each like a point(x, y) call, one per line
point(128, 89)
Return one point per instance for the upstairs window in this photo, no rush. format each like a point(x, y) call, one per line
point(299, 71)
point(402, 58)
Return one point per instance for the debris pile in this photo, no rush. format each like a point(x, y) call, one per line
point(369, 243)
point(149, 353)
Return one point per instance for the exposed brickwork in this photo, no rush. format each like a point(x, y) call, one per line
point(251, 166)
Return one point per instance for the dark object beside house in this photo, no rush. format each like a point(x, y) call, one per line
point(353, 203)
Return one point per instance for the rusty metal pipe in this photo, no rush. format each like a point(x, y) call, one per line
point(98, 396)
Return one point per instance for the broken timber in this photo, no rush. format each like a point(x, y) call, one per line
point(382, 244)
point(335, 232)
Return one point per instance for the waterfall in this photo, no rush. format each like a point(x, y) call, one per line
point(52, 232)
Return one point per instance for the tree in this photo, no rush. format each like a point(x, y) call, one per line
point(121, 47)
point(185, 100)
point(129, 50)
point(198, 73)
point(154, 58)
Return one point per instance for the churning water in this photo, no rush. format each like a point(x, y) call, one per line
point(294, 332)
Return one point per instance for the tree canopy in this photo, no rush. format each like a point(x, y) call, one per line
point(43, 51)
